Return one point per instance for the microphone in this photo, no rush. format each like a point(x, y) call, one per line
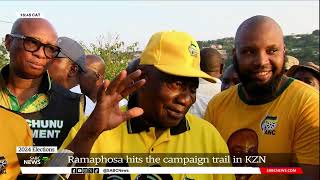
point(57, 160)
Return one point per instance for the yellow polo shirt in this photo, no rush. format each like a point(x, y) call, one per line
point(14, 131)
point(192, 135)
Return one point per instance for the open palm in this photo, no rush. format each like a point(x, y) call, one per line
point(107, 114)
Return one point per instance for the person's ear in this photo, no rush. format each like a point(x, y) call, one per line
point(73, 71)
point(221, 69)
point(144, 72)
point(8, 42)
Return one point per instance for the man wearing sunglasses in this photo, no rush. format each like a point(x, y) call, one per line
point(25, 86)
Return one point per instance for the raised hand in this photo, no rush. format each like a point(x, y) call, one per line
point(107, 114)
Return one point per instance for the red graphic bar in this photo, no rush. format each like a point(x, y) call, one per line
point(281, 170)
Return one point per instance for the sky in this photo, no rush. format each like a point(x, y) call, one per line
point(136, 21)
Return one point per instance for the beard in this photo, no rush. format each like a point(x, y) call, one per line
point(254, 89)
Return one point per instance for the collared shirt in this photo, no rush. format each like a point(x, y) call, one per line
point(89, 103)
point(136, 126)
point(33, 104)
point(209, 89)
point(205, 92)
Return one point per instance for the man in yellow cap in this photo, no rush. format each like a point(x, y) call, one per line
point(171, 66)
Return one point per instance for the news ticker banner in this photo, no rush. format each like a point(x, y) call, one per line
point(35, 159)
point(161, 170)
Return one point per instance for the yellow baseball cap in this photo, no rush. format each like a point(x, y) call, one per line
point(175, 53)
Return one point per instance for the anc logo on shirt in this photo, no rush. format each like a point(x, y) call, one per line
point(193, 50)
point(269, 124)
point(3, 164)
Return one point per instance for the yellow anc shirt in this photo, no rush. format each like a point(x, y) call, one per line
point(287, 124)
point(14, 131)
point(194, 136)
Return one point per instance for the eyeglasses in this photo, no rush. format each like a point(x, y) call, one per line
point(31, 44)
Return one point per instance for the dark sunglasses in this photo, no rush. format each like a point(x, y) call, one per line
point(31, 44)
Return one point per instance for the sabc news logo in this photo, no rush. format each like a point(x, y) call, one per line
point(84, 170)
point(34, 160)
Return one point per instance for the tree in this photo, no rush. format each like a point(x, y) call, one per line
point(114, 52)
point(4, 57)
point(315, 32)
point(305, 47)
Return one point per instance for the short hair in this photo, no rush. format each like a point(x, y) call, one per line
point(253, 22)
point(17, 25)
point(210, 60)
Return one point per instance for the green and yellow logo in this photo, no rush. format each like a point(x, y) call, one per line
point(269, 124)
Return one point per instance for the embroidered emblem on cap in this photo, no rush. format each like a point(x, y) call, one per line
point(193, 50)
